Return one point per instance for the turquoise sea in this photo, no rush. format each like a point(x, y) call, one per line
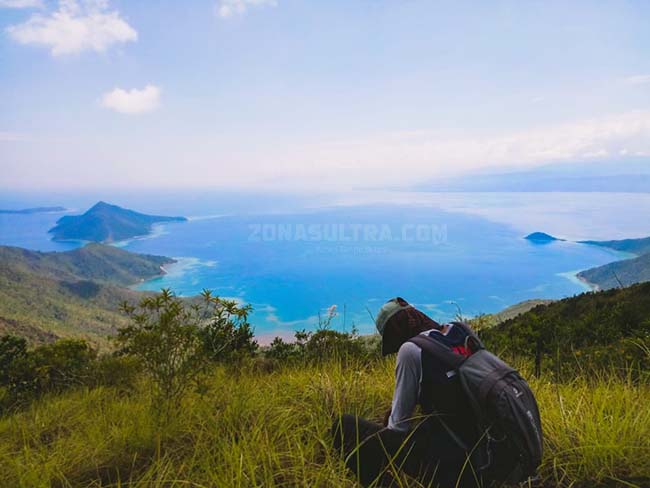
point(293, 257)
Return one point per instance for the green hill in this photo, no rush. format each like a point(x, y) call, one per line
point(107, 223)
point(491, 320)
point(92, 262)
point(69, 294)
point(619, 273)
point(602, 325)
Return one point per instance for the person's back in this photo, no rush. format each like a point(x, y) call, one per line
point(431, 446)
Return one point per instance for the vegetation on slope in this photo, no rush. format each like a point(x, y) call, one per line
point(604, 328)
point(262, 420)
point(95, 262)
point(634, 246)
point(69, 294)
point(620, 273)
point(249, 428)
point(107, 223)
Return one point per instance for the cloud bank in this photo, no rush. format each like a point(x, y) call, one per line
point(75, 27)
point(21, 4)
point(637, 79)
point(230, 8)
point(410, 156)
point(132, 101)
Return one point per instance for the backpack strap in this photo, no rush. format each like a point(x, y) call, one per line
point(449, 358)
point(452, 361)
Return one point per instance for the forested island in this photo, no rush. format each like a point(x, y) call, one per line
point(107, 223)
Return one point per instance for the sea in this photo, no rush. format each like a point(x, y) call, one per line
point(300, 258)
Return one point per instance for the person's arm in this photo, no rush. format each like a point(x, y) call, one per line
point(408, 373)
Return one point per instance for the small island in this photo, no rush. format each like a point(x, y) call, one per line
point(35, 210)
point(541, 238)
point(107, 223)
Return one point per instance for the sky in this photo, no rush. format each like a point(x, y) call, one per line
point(299, 95)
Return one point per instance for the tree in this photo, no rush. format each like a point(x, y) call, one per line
point(164, 337)
point(175, 339)
point(226, 335)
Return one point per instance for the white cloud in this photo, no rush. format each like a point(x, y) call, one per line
point(229, 8)
point(637, 79)
point(21, 4)
point(75, 27)
point(408, 157)
point(12, 137)
point(132, 101)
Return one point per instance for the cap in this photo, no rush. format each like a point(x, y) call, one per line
point(390, 308)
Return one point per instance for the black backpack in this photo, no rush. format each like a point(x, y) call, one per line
point(509, 427)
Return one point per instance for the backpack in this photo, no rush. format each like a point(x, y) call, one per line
point(509, 427)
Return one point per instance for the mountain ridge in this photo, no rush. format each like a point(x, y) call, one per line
point(47, 295)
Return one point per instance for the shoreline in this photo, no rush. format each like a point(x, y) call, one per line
point(592, 286)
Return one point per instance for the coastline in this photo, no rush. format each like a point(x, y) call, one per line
point(592, 286)
point(179, 266)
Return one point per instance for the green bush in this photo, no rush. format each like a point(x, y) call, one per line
point(323, 345)
point(227, 336)
point(115, 371)
point(175, 340)
point(164, 338)
point(28, 374)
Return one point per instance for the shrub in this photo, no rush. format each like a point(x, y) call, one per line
point(119, 372)
point(28, 374)
point(175, 340)
point(227, 335)
point(323, 345)
point(164, 338)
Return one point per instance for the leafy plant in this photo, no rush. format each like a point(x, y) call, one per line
point(28, 374)
point(176, 339)
point(164, 337)
point(226, 335)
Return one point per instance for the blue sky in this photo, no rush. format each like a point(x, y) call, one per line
point(294, 94)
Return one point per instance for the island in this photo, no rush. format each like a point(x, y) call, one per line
point(541, 238)
point(107, 223)
point(35, 210)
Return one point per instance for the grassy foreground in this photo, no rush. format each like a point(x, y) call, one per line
point(255, 428)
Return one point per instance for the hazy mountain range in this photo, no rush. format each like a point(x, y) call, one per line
point(628, 176)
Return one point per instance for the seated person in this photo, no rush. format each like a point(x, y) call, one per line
point(425, 446)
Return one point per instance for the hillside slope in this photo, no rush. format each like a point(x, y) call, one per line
point(70, 294)
point(634, 246)
point(619, 273)
point(107, 223)
point(606, 323)
point(92, 262)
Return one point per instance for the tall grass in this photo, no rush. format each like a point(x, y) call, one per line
point(262, 429)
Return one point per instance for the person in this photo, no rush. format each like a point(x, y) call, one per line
point(431, 446)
